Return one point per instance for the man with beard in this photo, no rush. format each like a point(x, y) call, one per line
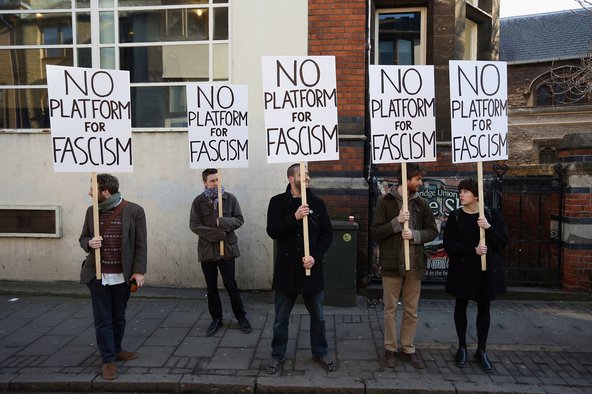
point(388, 230)
point(123, 248)
point(285, 225)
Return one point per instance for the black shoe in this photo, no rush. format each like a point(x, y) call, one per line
point(481, 356)
point(461, 356)
point(244, 325)
point(214, 326)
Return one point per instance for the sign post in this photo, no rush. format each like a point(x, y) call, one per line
point(479, 118)
point(402, 120)
point(90, 113)
point(300, 105)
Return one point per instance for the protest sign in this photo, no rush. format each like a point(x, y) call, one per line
point(478, 111)
point(300, 105)
point(479, 118)
point(402, 114)
point(402, 120)
point(217, 118)
point(90, 115)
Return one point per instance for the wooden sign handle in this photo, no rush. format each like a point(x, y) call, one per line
point(405, 208)
point(96, 231)
point(305, 218)
point(481, 212)
point(220, 208)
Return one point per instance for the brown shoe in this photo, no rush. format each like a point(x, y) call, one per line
point(414, 359)
point(109, 371)
point(126, 356)
point(390, 359)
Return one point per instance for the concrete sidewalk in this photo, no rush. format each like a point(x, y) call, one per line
point(47, 344)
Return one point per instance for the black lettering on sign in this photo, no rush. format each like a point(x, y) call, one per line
point(471, 147)
point(101, 83)
point(96, 150)
point(403, 146)
point(303, 140)
point(218, 150)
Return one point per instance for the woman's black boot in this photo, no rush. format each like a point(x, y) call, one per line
point(481, 356)
point(461, 356)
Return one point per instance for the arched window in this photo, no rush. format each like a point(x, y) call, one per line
point(559, 86)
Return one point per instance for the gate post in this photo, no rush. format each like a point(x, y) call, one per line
point(575, 155)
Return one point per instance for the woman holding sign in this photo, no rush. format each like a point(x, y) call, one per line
point(466, 281)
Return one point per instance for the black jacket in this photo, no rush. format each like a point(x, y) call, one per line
point(289, 274)
point(465, 279)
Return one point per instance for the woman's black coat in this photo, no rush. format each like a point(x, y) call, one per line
point(465, 279)
point(289, 274)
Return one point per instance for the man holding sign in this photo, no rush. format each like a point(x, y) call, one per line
point(211, 229)
point(123, 247)
point(388, 230)
point(285, 225)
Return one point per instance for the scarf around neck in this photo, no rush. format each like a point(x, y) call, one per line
point(212, 195)
point(110, 202)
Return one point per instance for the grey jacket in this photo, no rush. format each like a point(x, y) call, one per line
point(134, 246)
point(202, 222)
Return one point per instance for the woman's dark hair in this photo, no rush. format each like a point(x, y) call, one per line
point(470, 185)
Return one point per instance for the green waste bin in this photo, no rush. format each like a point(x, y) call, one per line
point(339, 265)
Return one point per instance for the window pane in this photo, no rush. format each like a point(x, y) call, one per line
point(33, 5)
point(158, 106)
point(106, 3)
point(399, 38)
point(220, 23)
point(82, 3)
point(220, 53)
point(27, 66)
point(29, 29)
point(108, 58)
point(83, 28)
point(166, 63)
point(164, 25)
point(107, 26)
point(85, 57)
point(23, 108)
point(142, 3)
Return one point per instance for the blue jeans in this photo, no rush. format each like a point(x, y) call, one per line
point(109, 304)
point(283, 307)
point(226, 267)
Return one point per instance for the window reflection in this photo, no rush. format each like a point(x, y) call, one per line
point(399, 38)
point(27, 66)
point(158, 106)
point(164, 25)
point(24, 109)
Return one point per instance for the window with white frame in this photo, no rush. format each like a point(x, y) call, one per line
point(471, 35)
point(162, 43)
point(400, 36)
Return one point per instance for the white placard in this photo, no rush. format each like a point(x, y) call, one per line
point(300, 105)
point(90, 115)
point(402, 114)
point(217, 117)
point(479, 111)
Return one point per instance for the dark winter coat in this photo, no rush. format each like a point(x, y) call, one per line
point(386, 229)
point(133, 243)
point(202, 221)
point(289, 274)
point(465, 279)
